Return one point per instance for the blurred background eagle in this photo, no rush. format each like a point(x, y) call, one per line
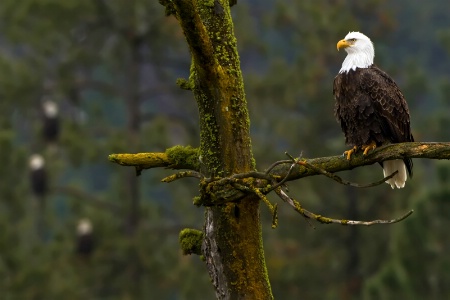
point(370, 107)
point(85, 241)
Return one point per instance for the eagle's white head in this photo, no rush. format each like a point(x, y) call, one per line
point(84, 227)
point(360, 51)
point(36, 162)
point(50, 109)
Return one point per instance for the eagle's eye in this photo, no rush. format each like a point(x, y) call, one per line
point(352, 40)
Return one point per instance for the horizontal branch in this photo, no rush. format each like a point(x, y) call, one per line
point(339, 163)
point(142, 160)
point(342, 181)
point(283, 171)
point(177, 157)
point(188, 158)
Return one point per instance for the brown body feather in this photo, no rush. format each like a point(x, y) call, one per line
point(370, 107)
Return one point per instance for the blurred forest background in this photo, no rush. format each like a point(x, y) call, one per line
point(111, 67)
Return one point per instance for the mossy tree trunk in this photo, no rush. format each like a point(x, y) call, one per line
point(232, 243)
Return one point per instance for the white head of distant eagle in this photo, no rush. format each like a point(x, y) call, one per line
point(360, 51)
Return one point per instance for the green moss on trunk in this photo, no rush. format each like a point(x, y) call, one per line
point(233, 238)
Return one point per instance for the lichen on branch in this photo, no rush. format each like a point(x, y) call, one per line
point(177, 157)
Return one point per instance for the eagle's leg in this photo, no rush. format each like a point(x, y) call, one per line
point(366, 148)
point(349, 153)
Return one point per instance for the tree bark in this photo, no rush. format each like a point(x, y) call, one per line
point(232, 242)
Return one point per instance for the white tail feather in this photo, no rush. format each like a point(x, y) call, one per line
point(389, 167)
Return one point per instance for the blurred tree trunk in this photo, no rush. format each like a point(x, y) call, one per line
point(232, 242)
point(133, 127)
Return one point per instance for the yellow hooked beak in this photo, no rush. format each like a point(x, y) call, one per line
point(343, 44)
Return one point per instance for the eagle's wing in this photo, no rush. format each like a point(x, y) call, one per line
point(390, 105)
point(337, 86)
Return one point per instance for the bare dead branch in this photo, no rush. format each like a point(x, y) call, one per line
point(177, 157)
point(330, 164)
point(142, 160)
point(183, 174)
point(333, 164)
point(283, 180)
point(280, 162)
point(369, 223)
point(279, 171)
point(273, 208)
point(292, 158)
point(251, 189)
point(325, 220)
point(339, 179)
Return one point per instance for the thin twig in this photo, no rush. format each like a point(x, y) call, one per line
point(368, 223)
point(183, 174)
point(275, 216)
point(342, 181)
point(325, 220)
point(273, 208)
point(291, 157)
point(280, 162)
point(282, 181)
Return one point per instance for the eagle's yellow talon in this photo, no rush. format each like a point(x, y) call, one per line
point(368, 147)
point(349, 153)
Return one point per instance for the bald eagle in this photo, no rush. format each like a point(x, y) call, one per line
point(38, 176)
point(50, 127)
point(85, 238)
point(370, 107)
